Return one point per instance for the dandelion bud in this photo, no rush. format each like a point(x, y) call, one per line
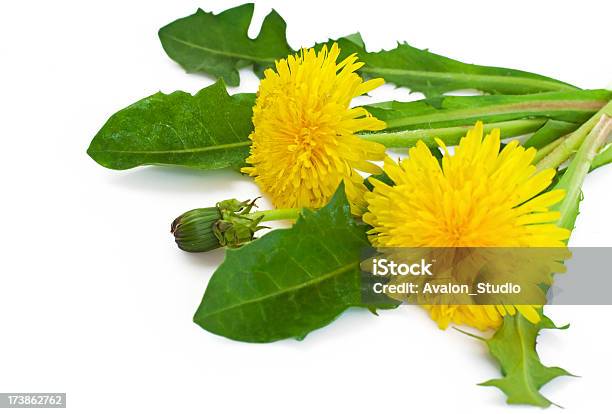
point(230, 223)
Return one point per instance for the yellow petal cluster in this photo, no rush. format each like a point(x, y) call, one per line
point(480, 196)
point(304, 142)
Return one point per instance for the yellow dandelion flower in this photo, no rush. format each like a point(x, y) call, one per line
point(478, 197)
point(304, 141)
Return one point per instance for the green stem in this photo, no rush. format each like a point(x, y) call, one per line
point(451, 135)
point(569, 146)
point(603, 158)
point(276, 214)
point(518, 108)
point(575, 174)
point(547, 149)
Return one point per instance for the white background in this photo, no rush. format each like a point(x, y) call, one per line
point(96, 300)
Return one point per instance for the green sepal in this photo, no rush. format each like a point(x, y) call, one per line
point(236, 227)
